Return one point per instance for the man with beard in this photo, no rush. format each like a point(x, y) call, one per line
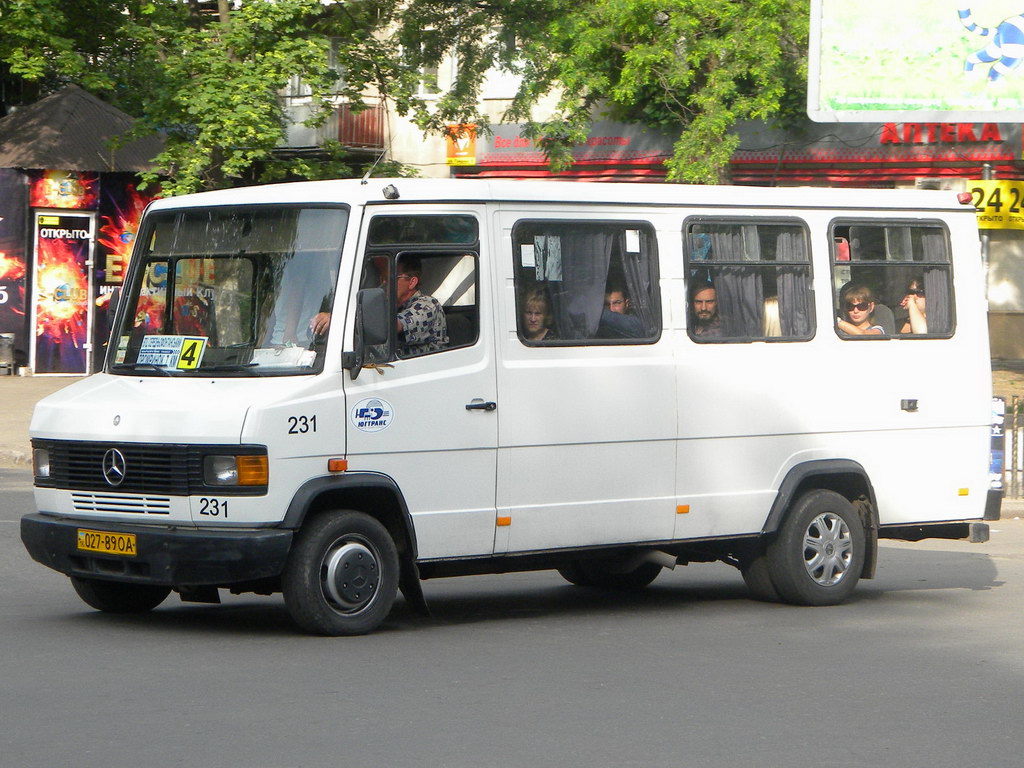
point(704, 312)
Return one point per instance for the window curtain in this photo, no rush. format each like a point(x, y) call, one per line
point(938, 297)
point(795, 304)
point(578, 298)
point(738, 289)
point(637, 270)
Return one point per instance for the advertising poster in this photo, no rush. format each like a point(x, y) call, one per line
point(460, 141)
point(61, 293)
point(916, 60)
point(12, 253)
point(64, 189)
point(121, 207)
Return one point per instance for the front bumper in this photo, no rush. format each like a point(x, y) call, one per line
point(169, 556)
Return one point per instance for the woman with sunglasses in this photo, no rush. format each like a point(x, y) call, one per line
point(857, 302)
point(914, 303)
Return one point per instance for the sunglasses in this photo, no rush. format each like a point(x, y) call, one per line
point(862, 307)
point(915, 292)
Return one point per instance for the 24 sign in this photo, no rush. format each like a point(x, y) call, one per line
point(999, 202)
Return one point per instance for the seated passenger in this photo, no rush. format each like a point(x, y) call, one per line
point(617, 319)
point(857, 303)
point(537, 316)
point(704, 319)
point(420, 322)
point(914, 303)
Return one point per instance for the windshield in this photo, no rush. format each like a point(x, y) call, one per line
point(230, 292)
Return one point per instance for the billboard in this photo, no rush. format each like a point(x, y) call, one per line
point(61, 292)
point(12, 252)
point(916, 60)
point(64, 189)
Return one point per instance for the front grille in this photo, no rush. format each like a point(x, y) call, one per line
point(106, 502)
point(149, 468)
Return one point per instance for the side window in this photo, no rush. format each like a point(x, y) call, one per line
point(748, 280)
point(428, 265)
point(891, 279)
point(586, 282)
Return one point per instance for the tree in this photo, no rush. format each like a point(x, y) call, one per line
point(694, 67)
point(208, 73)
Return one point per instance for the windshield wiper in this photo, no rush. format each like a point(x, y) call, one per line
point(228, 367)
point(143, 366)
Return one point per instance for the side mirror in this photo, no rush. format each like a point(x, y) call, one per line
point(372, 316)
point(373, 328)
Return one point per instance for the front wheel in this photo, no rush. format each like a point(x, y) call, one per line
point(119, 597)
point(818, 556)
point(341, 577)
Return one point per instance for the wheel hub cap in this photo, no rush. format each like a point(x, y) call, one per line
point(351, 576)
point(828, 549)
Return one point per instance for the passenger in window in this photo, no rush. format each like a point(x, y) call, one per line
point(914, 303)
point(705, 321)
point(537, 320)
point(617, 318)
point(857, 303)
point(771, 322)
point(420, 322)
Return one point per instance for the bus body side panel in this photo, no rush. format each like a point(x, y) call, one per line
point(441, 455)
point(586, 435)
point(912, 412)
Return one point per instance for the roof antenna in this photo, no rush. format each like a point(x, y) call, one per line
point(366, 176)
point(369, 170)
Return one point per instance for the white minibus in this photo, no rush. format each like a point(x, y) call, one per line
point(339, 389)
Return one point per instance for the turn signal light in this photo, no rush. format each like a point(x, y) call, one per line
point(253, 470)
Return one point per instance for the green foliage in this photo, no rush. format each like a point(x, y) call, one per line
point(208, 73)
point(692, 66)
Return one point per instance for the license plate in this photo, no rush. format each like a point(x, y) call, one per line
point(107, 543)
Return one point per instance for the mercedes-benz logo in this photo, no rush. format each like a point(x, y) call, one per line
point(114, 467)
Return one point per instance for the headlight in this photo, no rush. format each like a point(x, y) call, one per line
point(235, 470)
point(41, 462)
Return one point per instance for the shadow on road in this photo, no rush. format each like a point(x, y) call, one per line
point(904, 575)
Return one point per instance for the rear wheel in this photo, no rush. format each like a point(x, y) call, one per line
point(818, 556)
point(342, 574)
point(119, 597)
point(609, 574)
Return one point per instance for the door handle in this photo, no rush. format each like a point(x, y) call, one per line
point(480, 405)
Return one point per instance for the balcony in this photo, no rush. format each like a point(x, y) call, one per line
point(364, 130)
point(359, 132)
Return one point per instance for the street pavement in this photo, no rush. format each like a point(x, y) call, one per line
point(19, 395)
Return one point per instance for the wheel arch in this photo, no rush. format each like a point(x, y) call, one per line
point(846, 477)
point(376, 495)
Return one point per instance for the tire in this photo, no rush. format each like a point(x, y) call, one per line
point(818, 555)
point(604, 574)
point(572, 573)
point(118, 596)
point(342, 574)
point(757, 576)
